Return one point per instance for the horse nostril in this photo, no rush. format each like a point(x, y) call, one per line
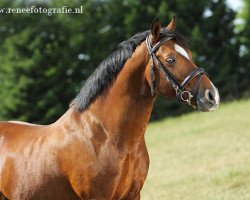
point(209, 96)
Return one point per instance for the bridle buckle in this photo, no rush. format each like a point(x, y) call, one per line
point(190, 96)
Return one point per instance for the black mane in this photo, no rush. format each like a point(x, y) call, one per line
point(108, 69)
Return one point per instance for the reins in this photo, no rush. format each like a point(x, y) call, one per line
point(178, 87)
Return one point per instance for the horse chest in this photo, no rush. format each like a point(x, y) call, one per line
point(131, 173)
point(112, 175)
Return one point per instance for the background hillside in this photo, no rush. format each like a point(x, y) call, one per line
point(200, 155)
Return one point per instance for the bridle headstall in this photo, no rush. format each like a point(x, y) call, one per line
point(178, 87)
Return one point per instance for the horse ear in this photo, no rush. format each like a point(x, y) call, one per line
point(156, 28)
point(172, 25)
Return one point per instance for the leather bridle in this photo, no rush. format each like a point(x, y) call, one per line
point(178, 87)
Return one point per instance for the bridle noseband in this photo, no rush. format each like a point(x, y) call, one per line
point(178, 87)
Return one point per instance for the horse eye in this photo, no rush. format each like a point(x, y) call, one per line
point(170, 60)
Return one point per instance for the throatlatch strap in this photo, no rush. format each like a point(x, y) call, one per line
point(152, 77)
point(152, 73)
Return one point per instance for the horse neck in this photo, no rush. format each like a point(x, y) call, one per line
point(124, 110)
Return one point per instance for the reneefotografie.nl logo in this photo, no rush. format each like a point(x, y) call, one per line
point(38, 10)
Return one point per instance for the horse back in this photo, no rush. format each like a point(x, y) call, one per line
point(14, 132)
point(15, 144)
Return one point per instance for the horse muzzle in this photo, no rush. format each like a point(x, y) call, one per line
point(208, 99)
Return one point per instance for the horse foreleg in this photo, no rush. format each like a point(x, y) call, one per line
point(137, 197)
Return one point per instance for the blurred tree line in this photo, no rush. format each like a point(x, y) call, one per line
point(44, 59)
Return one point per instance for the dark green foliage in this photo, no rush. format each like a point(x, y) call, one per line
point(44, 59)
point(243, 71)
point(216, 48)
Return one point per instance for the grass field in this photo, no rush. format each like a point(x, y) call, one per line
point(200, 156)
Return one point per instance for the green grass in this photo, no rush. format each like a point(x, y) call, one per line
point(200, 156)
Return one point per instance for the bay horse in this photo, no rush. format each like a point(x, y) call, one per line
point(97, 150)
